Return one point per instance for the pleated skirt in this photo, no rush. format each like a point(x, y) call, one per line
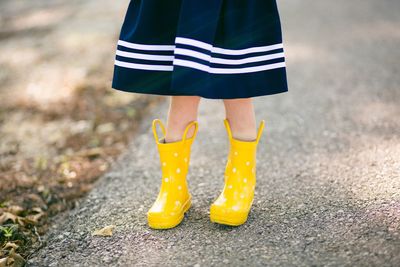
point(218, 49)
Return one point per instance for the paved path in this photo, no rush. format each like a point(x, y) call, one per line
point(328, 188)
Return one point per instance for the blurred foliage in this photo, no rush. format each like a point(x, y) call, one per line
point(35, 188)
point(61, 125)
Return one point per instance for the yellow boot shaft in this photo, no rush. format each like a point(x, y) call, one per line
point(234, 203)
point(173, 199)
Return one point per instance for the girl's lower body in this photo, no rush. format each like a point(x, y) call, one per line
point(220, 49)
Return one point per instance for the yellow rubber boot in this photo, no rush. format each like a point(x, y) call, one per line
point(174, 198)
point(234, 203)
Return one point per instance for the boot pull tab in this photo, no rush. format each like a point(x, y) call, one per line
point(260, 129)
point(228, 128)
point(196, 127)
point(154, 127)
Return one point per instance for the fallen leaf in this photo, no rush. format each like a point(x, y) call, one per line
point(15, 260)
point(15, 209)
point(105, 128)
point(37, 209)
point(14, 218)
point(8, 216)
point(106, 231)
point(3, 262)
point(34, 218)
point(11, 245)
point(92, 152)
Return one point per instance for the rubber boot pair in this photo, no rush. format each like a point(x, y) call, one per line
point(233, 204)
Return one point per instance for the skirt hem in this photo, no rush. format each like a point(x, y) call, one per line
point(284, 90)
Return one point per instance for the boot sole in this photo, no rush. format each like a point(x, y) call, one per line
point(235, 220)
point(227, 221)
point(169, 222)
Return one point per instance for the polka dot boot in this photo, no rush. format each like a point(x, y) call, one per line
point(174, 198)
point(234, 203)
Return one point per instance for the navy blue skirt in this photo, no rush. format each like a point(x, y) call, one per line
point(219, 49)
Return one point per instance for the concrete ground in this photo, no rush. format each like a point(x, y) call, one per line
point(328, 191)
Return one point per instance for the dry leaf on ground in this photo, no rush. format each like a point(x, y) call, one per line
point(11, 245)
point(3, 262)
point(8, 216)
point(106, 231)
point(13, 259)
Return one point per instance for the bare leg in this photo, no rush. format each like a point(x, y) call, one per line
point(182, 110)
point(241, 117)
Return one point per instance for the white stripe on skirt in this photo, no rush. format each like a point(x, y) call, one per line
point(195, 54)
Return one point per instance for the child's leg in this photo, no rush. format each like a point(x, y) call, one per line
point(182, 110)
point(240, 113)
